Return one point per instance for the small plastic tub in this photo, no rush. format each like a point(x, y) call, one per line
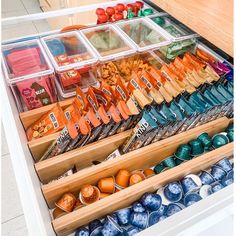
point(74, 62)
point(29, 73)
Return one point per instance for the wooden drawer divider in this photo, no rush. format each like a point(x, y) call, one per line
point(142, 158)
point(56, 166)
point(69, 222)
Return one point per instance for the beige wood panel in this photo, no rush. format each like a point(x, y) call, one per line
point(212, 19)
point(69, 222)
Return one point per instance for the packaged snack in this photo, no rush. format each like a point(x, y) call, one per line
point(70, 77)
point(138, 135)
point(49, 123)
point(36, 92)
point(58, 146)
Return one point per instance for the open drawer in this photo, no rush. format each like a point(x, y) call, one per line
point(37, 196)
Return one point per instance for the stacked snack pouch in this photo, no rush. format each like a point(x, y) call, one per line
point(156, 102)
point(193, 93)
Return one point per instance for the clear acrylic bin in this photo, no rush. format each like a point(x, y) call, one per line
point(176, 30)
point(73, 60)
point(144, 34)
point(29, 73)
point(108, 42)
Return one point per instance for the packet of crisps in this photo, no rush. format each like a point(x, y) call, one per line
point(58, 146)
point(49, 123)
point(138, 135)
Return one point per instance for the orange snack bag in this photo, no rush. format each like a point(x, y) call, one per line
point(204, 56)
point(49, 123)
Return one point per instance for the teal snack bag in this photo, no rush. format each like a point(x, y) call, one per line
point(138, 135)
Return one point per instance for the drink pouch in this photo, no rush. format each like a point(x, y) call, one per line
point(230, 75)
point(58, 146)
point(179, 112)
point(171, 116)
point(49, 123)
point(93, 117)
point(138, 135)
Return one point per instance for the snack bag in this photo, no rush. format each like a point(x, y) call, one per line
point(138, 135)
point(172, 78)
point(92, 116)
point(122, 96)
point(151, 87)
point(167, 91)
point(58, 146)
point(112, 112)
point(179, 64)
point(181, 78)
point(36, 92)
point(70, 77)
point(49, 123)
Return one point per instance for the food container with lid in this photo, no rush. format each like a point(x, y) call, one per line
point(29, 73)
point(74, 62)
point(183, 39)
point(108, 42)
point(144, 34)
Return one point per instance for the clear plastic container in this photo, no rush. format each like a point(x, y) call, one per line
point(29, 73)
point(144, 34)
point(108, 42)
point(175, 49)
point(87, 79)
point(73, 60)
point(176, 30)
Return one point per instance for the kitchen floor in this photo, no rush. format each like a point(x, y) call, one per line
point(13, 220)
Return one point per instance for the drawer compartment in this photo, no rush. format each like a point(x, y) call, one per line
point(145, 157)
point(68, 223)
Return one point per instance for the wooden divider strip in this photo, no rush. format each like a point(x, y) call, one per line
point(142, 158)
point(69, 222)
point(56, 166)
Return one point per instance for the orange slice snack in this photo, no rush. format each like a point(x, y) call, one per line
point(49, 123)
